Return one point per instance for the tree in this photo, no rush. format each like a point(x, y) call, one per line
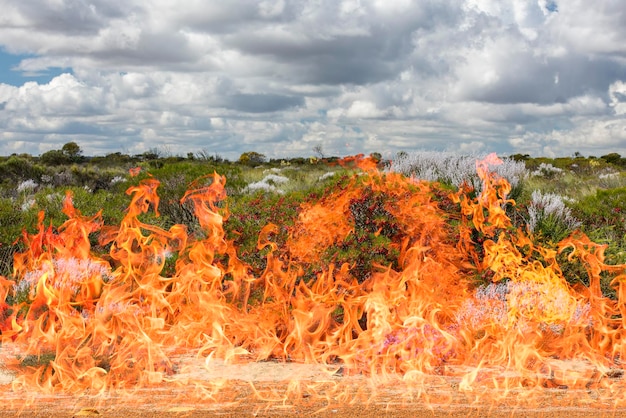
point(400, 155)
point(612, 158)
point(54, 157)
point(72, 151)
point(520, 157)
point(252, 158)
point(376, 156)
point(319, 151)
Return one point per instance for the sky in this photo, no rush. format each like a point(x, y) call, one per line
point(288, 78)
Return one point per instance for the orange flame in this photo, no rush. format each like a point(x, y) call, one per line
point(117, 323)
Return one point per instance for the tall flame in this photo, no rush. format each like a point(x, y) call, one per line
point(116, 323)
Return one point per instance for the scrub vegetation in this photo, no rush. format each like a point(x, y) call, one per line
point(552, 197)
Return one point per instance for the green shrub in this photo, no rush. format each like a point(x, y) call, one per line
point(549, 218)
point(16, 169)
point(375, 229)
point(603, 218)
point(604, 208)
point(252, 158)
point(178, 177)
point(250, 213)
point(54, 158)
point(14, 218)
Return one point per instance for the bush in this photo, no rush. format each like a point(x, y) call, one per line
point(615, 159)
point(116, 159)
point(603, 218)
point(54, 157)
point(547, 171)
point(455, 169)
point(252, 158)
point(549, 217)
point(14, 217)
point(16, 169)
point(372, 241)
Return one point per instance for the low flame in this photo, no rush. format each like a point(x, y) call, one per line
point(117, 323)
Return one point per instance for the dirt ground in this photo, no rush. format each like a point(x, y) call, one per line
point(272, 389)
point(144, 408)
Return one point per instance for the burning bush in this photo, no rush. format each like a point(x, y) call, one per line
point(378, 275)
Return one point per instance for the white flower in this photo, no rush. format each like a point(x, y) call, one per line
point(273, 178)
point(496, 303)
point(64, 273)
point(454, 169)
point(26, 186)
point(28, 203)
point(550, 205)
point(546, 170)
point(261, 185)
point(268, 183)
point(326, 176)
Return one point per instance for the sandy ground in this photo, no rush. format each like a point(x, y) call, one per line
point(272, 389)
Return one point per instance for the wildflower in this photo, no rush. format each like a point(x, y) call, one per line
point(28, 203)
point(117, 179)
point(550, 208)
point(261, 185)
point(54, 197)
point(63, 273)
point(326, 176)
point(515, 303)
point(546, 170)
point(608, 175)
point(27, 186)
point(454, 169)
point(268, 183)
point(273, 178)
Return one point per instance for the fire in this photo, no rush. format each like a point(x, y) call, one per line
point(101, 324)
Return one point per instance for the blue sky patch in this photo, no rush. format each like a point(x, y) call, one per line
point(9, 74)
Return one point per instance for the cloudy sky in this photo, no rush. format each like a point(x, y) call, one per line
point(282, 77)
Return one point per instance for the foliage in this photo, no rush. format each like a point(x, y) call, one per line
point(603, 217)
point(371, 242)
point(16, 169)
point(551, 195)
point(72, 151)
point(614, 158)
point(15, 216)
point(115, 159)
point(549, 217)
point(456, 169)
point(54, 157)
point(207, 156)
point(176, 178)
point(252, 158)
point(251, 210)
point(250, 213)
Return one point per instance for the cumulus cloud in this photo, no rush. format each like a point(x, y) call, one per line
point(283, 76)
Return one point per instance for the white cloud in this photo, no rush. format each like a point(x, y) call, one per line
point(282, 76)
point(617, 94)
point(363, 109)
